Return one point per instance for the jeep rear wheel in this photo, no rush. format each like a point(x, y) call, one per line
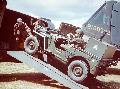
point(78, 70)
point(31, 44)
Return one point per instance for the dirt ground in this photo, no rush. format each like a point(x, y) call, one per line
point(20, 76)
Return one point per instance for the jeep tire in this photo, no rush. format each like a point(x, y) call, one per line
point(78, 70)
point(31, 44)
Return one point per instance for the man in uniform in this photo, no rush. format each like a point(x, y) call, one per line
point(44, 25)
point(78, 40)
point(21, 31)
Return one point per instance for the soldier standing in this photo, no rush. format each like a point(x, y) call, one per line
point(21, 31)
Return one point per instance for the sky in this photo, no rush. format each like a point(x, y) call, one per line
point(75, 12)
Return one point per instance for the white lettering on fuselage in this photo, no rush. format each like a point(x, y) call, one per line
point(98, 29)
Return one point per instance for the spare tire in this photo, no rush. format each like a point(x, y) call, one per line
point(31, 45)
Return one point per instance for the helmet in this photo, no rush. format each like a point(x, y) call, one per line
point(19, 20)
point(78, 30)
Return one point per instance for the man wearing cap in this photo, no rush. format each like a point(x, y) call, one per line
point(78, 40)
point(21, 31)
point(79, 33)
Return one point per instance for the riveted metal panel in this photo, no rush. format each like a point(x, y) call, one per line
point(96, 48)
point(115, 24)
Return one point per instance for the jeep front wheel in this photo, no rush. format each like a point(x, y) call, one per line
point(31, 44)
point(78, 70)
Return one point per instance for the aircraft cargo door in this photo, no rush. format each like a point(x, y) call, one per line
point(115, 24)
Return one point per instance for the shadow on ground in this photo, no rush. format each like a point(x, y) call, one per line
point(44, 80)
point(114, 71)
point(30, 77)
point(96, 84)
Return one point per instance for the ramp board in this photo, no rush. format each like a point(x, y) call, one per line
point(46, 69)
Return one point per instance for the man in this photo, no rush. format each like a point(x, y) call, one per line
point(21, 31)
point(78, 40)
point(79, 33)
point(43, 25)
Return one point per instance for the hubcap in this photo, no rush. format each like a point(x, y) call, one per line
point(78, 71)
point(31, 45)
